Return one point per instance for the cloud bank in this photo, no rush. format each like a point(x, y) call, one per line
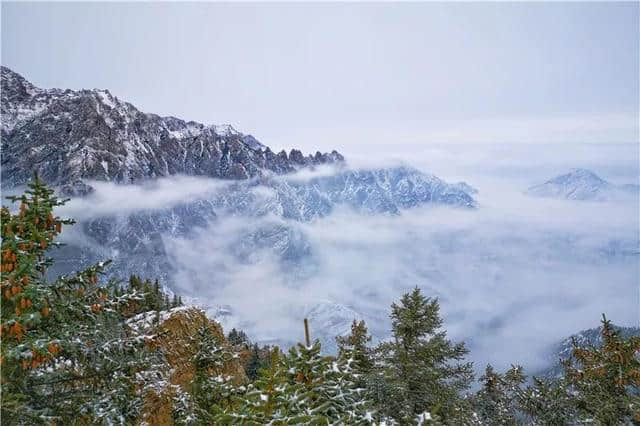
point(507, 276)
point(513, 276)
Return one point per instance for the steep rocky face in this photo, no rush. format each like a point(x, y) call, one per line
point(136, 241)
point(67, 136)
point(75, 137)
point(582, 184)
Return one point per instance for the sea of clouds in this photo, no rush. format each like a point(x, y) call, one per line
point(513, 276)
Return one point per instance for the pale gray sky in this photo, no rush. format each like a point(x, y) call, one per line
point(349, 75)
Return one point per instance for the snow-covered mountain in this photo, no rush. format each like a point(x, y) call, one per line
point(69, 136)
point(75, 139)
point(583, 184)
point(137, 241)
point(88, 142)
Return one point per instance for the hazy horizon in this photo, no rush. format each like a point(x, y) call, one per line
point(349, 76)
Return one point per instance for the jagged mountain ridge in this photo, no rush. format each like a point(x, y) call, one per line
point(582, 184)
point(142, 242)
point(69, 136)
point(75, 139)
point(136, 240)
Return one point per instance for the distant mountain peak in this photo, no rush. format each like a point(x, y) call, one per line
point(579, 174)
point(581, 184)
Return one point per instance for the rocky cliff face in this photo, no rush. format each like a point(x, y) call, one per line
point(137, 241)
point(67, 136)
point(89, 142)
point(74, 137)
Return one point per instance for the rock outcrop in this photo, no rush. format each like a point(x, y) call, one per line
point(68, 136)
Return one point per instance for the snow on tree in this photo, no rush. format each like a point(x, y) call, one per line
point(496, 403)
point(271, 399)
point(356, 343)
point(65, 353)
point(327, 387)
point(213, 391)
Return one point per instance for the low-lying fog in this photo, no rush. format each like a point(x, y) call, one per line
point(513, 276)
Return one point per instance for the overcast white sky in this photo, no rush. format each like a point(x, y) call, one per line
point(347, 76)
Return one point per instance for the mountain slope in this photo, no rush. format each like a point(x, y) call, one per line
point(582, 184)
point(69, 135)
point(90, 144)
point(136, 240)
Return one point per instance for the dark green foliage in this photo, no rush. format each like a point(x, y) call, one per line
point(66, 354)
point(421, 368)
point(211, 391)
point(155, 299)
point(497, 402)
point(327, 388)
point(605, 381)
point(548, 402)
point(302, 388)
point(254, 357)
point(269, 400)
point(254, 364)
point(237, 337)
point(356, 344)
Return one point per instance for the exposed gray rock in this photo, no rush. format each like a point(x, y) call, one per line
point(69, 136)
point(73, 137)
point(135, 241)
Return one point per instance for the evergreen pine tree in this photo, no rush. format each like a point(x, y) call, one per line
point(327, 388)
point(237, 337)
point(497, 402)
point(302, 388)
point(605, 381)
point(253, 364)
point(212, 391)
point(65, 353)
point(421, 367)
point(547, 402)
point(356, 345)
point(269, 400)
